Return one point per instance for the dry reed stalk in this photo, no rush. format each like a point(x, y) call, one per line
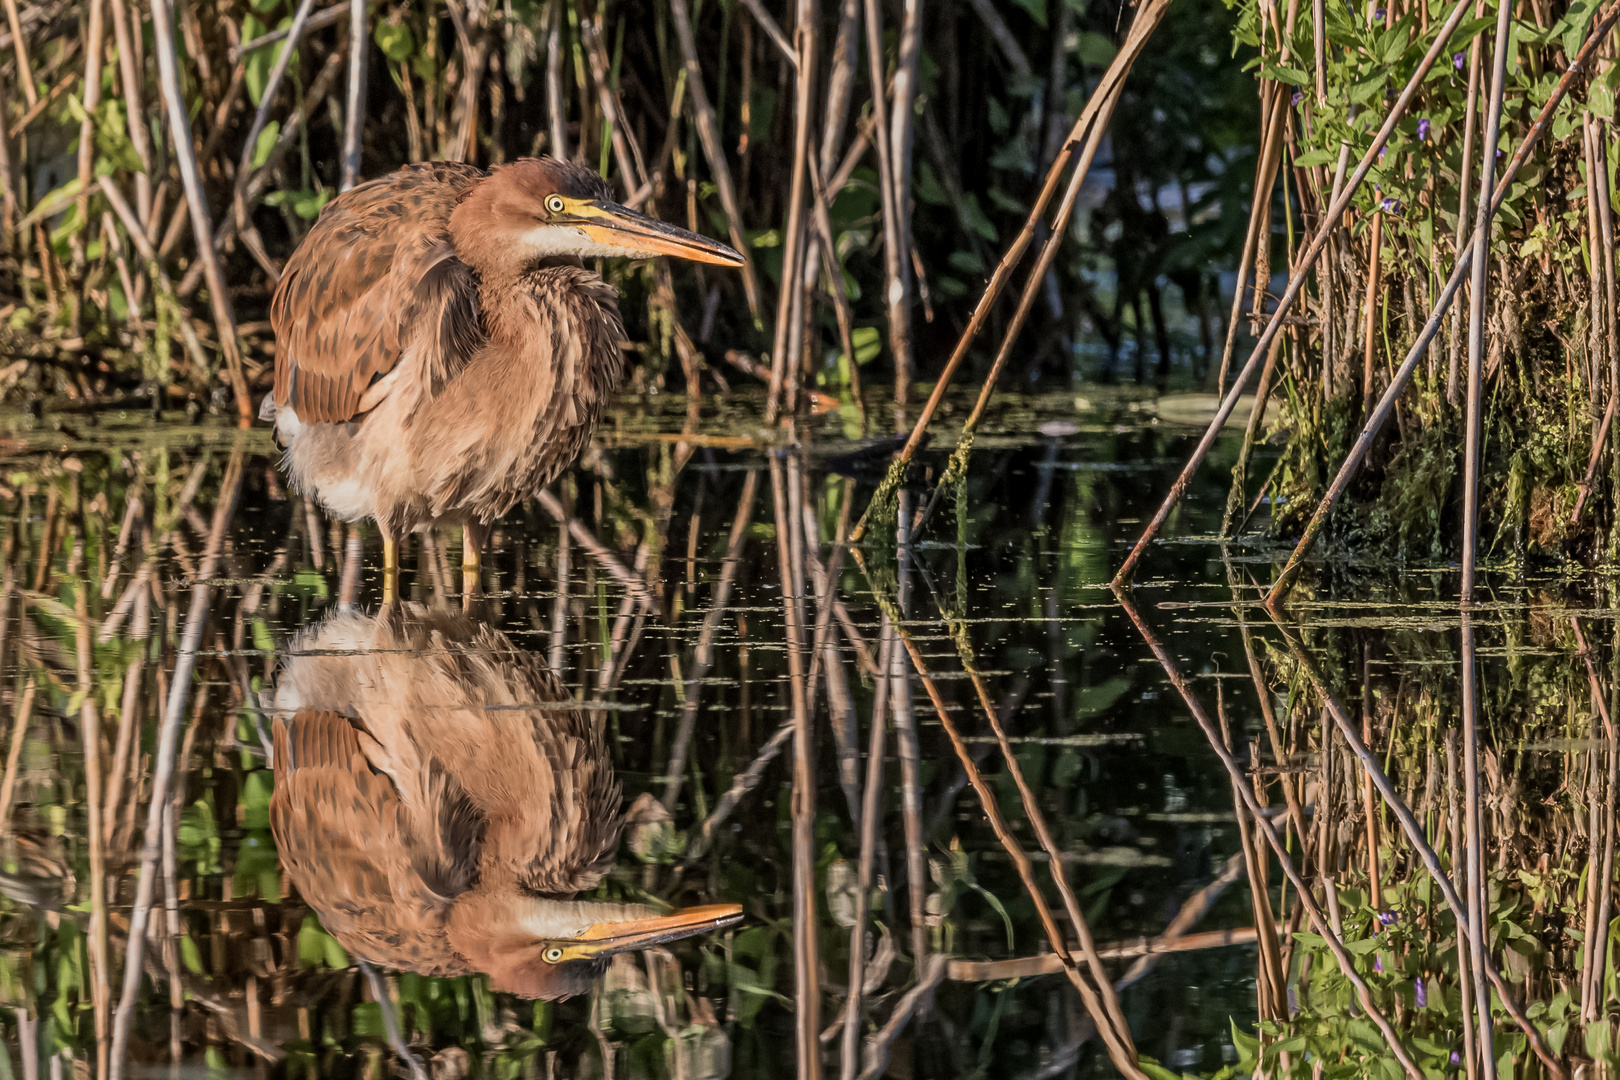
point(90, 734)
point(1142, 27)
point(1054, 855)
point(197, 201)
point(1474, 826)
point(871, 813)
point(134, 510)
point(267, 100)
point(95, 36)
point(1265, 179)
point(708, 127)
point(128, 715)
point(786, 342)
point(806, 955)
point(1465, 188)
point(1262, 693)
point(1604, 300)
point(703, 653)
point(1120, 1049)
point(1271, 997)
point(1455, 846)
point(1319, 923)
point(559, 609)
point(19, 736)
point(597, 551)
point(902, 126)
point(905, 734)
point(1601, 951)
point(1476, 310)
point(168, 740)
point(1369, 431)
point(914, 1001)
point(1296, 283)
point(381, 994)
point(1369, 324)
point(1591, 981)
point(1374, 778)
point(1027, 967)
point(354, 116)
point(19, 44)
point(556, 105)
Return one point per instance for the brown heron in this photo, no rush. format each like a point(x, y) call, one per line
point(441, 349)
point(440, 805)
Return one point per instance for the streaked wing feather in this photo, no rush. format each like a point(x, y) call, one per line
point(381, 886)
point(375, 274)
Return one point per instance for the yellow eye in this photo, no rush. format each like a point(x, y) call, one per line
point(553, 954)
point(554, 204)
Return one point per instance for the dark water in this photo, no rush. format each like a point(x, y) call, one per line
point(1015, 562)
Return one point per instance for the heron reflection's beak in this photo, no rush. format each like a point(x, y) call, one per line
point(619, 226)
point(605, 939)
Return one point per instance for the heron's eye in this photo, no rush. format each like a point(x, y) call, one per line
point(551, 955)
point(554, 204)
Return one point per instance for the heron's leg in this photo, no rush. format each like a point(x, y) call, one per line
point(390, 568)
point(473, 535)
point(349, 578)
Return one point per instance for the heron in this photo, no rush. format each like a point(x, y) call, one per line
point(441, 804)
point(443, 351)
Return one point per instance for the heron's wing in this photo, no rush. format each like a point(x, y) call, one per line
point(375, 276)
point(381, 874)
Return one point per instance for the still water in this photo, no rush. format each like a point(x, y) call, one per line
point(555, 811)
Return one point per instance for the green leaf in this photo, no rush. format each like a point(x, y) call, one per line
point(395, 40)
point(1291, 76)
point(266, 143)
point(1316, 157)
point(868, 342)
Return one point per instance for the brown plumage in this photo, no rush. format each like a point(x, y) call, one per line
point(438, 802)
point(442, 351)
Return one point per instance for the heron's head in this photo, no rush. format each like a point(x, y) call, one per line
point(536, 208)
point(557, 948)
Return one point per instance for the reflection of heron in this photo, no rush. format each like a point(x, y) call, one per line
point(439, 807)
point(441, 351)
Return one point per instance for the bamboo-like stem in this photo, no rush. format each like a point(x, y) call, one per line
point(1369, 431)
point(1265, 179)
point(197, 201)
point(1270, 995)
point(1369, 323)
point(164, 759)
point(354, 114)
point(1319, 922)
point(708, 128)
point(1465, 980)
point(806, 955)
point(598, 553)
point(559, 610)
point(1296, 283)
point(1147, 19)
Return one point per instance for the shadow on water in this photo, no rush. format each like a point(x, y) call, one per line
point(487, 835)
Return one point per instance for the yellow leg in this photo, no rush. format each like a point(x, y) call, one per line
point(472, 543)
point(390, 569)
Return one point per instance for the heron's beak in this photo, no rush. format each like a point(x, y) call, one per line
point(619, 226)
point(605, 939)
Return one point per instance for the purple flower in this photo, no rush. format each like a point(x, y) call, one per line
point(1382, 150)
point(1423, 129)
point(1379, 15)
point(1422, 993)
point(1455, 1060)
point(1457, 61)
point(1387, 917)
point(1378, 964)
point(1299, 96)
point(1389, 206)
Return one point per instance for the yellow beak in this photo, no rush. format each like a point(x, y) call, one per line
point(605, 939)
point(619, 226)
